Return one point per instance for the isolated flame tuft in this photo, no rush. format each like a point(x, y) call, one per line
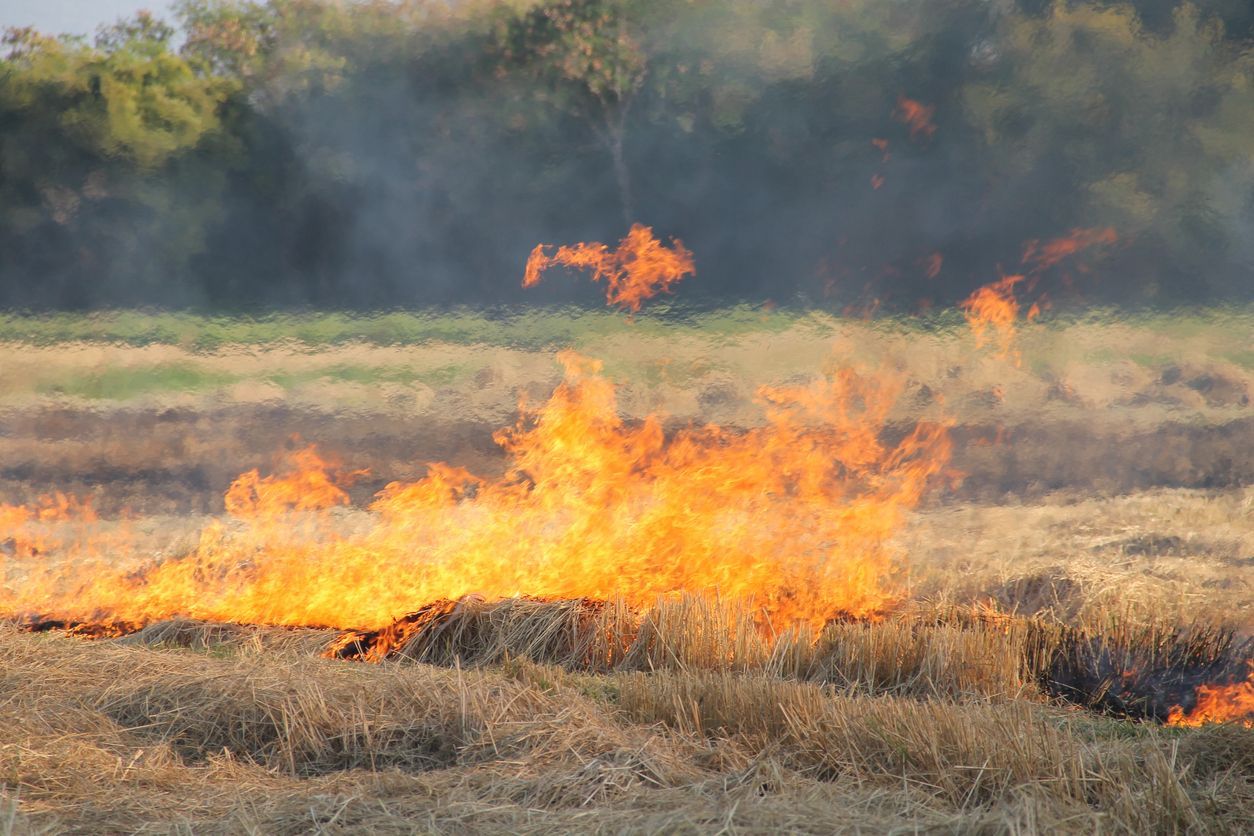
point(1041, 255)
point(995, 308)
point(992, 312)
point(917, 117)
point(638, 269)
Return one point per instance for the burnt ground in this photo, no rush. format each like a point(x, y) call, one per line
point(179, 461)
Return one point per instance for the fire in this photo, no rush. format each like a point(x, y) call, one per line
point(311, 486)
point(25, 531)
point(992, 312)
point(795, 514)
point(917, 117)
point(932, 264)
point(638, 269)
point(1041, 256)
point(995, 307)
point(1232, 703)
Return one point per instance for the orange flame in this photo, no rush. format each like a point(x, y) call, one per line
point(1041, 256)
point(932, 264)
point(917, 117)
point(310, 486)
point(994, 308)
point(25, 530)
point(796, 514)
point(639, 269)
point(1219, 704)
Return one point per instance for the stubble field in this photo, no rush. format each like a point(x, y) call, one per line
point(1086, 561)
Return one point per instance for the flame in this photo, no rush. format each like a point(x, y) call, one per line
point(917, 117)
point(992, 312)
point(932, 264)
point(1232, 703)
point(639, 269)
point(995, 307)
point(796, 514)
point(25, 531)
point(1041, 256)
point(310, 485)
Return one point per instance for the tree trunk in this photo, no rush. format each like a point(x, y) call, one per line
point(623, 176)
point(615, 132)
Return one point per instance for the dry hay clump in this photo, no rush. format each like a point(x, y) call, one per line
point(921, 654)
point(1133, 670)
point(1124, 668)
point(113, 737)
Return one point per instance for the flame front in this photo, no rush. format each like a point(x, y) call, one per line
point(1232, 703)
point(638, 269)
point(796, 515)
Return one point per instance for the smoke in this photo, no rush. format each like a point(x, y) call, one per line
point(406, 154)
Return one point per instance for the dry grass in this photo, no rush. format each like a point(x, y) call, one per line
point(1167, 556)
point(530, 716)
point(103, 737)
point(951, 715)
point(1147, 371)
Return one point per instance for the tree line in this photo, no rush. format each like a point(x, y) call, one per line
point(363, 155)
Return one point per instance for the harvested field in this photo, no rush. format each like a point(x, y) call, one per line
point(1052, 612)
point(258, 735)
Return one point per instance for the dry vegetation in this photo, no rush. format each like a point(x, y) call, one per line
point(950, 715)
point(250, 733)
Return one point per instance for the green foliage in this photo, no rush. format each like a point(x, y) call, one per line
point(128, 97)
point(1144, 123)
point(381, 152)
point(126, 383)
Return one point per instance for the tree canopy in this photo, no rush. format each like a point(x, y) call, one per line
point(259, 153)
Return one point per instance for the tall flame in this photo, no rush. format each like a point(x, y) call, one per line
point(796, 514)
point(638, 269)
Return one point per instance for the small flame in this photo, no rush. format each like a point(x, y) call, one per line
point(25, 531)
point(994, 308)
point(917, 117)
point(932, 264)
point(638, 269)
point(1043, 255)
point(1233, 703)
point(309, 485)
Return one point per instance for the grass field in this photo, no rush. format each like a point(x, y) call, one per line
point(1094, 563)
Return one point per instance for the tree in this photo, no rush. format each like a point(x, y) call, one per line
point(593, 65)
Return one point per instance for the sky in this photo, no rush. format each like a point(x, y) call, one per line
point(79, 17)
